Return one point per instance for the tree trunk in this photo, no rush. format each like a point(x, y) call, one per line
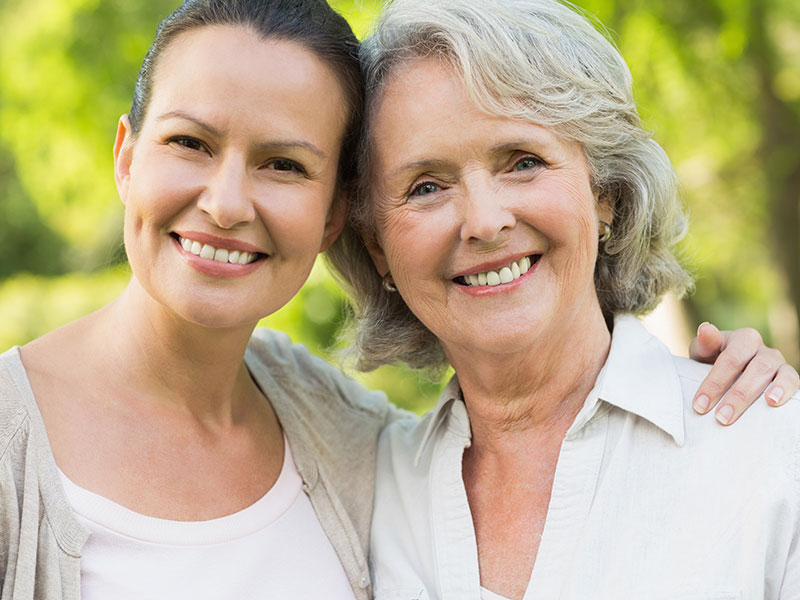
point(780, 156)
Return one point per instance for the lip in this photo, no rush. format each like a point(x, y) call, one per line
point(495, 265)
point(219, 242)
point(493, 290)
point(213, 268)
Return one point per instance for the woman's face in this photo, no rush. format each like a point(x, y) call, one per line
point(464, 200)
point(229, 185)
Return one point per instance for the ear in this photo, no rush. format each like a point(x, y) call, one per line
point(605, 209)
point(337, 216)
point(123, 156)
point(376, 253)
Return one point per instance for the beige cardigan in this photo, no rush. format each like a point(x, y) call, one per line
point(331, 422)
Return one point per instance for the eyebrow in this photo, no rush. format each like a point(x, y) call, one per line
point(281, 144)
point(177, 114)
point(421, 165)
point(435, 163)
point(517, 144)
point(263, 146)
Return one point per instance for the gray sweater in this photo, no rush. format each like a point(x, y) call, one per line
point(331, 422)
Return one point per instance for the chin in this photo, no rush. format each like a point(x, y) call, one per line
point(501, 340)
point(215, 318)
point(217, 311)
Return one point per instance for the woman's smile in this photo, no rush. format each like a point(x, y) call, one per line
point(498, 277)
point(218, 257)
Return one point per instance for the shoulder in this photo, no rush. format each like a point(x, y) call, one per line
point(309, 380)
point(18, 439)
point(765, 438)
point(15, 419)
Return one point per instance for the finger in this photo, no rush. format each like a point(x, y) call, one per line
point(707, 345)
point(738, 349)
point(749, 387)
point(786, 383)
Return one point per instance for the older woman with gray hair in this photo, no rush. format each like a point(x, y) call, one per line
point(513, 216)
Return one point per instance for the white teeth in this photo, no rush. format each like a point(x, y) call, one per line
point(222, 255)
point(524, 265)
point(507, 274)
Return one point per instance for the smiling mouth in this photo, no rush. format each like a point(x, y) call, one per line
point(511, 272)
point(221, 255)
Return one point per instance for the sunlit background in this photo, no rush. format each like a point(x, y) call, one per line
point(717, 80)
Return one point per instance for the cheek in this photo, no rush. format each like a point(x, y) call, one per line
point(582, 255)
point(295, 219)
point(159, 189)
point(411, 245)
point(571, 226)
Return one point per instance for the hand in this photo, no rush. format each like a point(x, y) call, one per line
point(741, 352)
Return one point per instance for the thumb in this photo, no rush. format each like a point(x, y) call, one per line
point(707, 344)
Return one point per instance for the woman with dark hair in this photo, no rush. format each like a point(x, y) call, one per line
point(159, 447)
point(154, 449)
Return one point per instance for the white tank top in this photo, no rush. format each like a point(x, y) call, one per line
point(274, 548)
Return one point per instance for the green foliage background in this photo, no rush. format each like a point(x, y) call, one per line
point(718, 81)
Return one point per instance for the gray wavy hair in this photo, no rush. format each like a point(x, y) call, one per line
point(545, 62)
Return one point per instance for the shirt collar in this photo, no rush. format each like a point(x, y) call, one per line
point(639, 377)
point(437, 415)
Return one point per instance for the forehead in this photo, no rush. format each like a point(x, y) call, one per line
point(424, 108)
point(228, 71)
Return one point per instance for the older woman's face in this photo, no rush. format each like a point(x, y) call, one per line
point(465, 201)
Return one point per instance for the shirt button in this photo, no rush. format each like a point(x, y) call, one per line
point(364, 582)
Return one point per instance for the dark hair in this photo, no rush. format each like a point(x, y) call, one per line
point(310, 23)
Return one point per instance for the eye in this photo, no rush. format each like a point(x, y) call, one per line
point(284, 164)
point(188, 142)
point(424, 189)
point(526, 163)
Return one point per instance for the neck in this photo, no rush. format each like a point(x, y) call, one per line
point(536, 391)
point(174, 362)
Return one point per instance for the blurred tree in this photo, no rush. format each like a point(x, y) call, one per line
point(67, 73)
point(719, 81)
point(26, 243)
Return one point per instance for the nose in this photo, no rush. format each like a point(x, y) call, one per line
point(486, 211)
point(226, 199)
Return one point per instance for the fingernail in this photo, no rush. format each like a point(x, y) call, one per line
point(701, 324)
point(725, 414)
point(701, 403)
point(775, 395)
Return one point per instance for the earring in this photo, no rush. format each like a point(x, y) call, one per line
point(606, 234)
point(387, 283)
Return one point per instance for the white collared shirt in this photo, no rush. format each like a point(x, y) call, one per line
point(650, 501)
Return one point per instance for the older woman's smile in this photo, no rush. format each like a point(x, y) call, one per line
point(491, 277)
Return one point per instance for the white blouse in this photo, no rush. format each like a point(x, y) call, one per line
point(650, 500)
point(274, 548)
